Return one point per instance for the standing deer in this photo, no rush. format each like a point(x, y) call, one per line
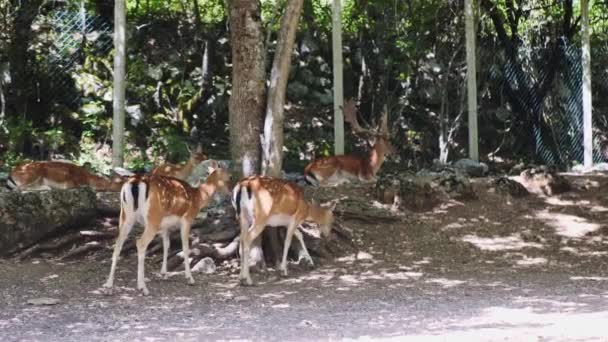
point(162, 203)
point(265, 201)
point(41, 175)
point(181, 171)
point(335, 170)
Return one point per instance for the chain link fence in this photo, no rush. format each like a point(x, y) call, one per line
point(76, 32)
point(542, 82)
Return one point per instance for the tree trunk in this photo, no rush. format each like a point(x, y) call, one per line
point(118, 121)
point(26, 218)
point(272, 140)
point(248, 86)
point(246, 104)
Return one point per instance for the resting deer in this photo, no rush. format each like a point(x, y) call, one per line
point(181, 171)
point(264, 201)
point(40, 175)
point(162, 203)
point(340, 169)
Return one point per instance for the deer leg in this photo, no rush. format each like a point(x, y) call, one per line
point(290, 231)
point(244, 277)
point(123, 232)
point(142, 246)
point(248, 235)
point(166, 245)
point(306, 255)
point(185, 232)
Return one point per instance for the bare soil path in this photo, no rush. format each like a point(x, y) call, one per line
point(493, 269)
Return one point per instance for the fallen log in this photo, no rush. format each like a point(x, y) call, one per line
point(28, 217)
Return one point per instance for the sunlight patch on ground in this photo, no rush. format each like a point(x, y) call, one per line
point(453, 225)
point(583, 252)
point(502, 243)
point(511, 324)
point(446, 283)
point(583, 203)
point(590, 278)
point(531, 261)
point(381, 274)
point(567, 225)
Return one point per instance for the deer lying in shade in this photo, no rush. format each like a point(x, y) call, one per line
point(162, 203)
point(41, 175)
point(264, 201)
point(335, 170)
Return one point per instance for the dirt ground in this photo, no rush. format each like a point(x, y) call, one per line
point(491, 269)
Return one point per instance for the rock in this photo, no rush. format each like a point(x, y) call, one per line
point(472, 168)
point(507, 186)
point(206, 265)
point(457, 186)
point(43, 301)
point(425, 190)
point(601, 167)
point(28, 217)
point(419, 195)
point(544, 180)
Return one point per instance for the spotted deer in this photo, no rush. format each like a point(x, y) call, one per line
point(335, 170)
point(161, 203)
point(42, 175)
point(181, 171)
point(263, 201)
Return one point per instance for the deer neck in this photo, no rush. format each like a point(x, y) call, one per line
point(187, 168)
point(321, 216)
point(206, 191)
point(97, 182)
point(376, 157)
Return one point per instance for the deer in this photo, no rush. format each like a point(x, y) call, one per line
point(262, 201)
point(181, 172)
point(161, 203)
point(336, 170)
point(44, 175)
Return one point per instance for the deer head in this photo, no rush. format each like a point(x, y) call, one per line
point(377, 135)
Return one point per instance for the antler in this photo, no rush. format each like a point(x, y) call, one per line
point(350, 116)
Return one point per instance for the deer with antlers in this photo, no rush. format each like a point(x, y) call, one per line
point(162, 203)
point(264, 201)
point(335, 170)
point(182, 171)
point(43, 175)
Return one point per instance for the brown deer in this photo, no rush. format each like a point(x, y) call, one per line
point(41, 175)
point(181, 171)
point(335, 170)
point(265, 201)
point(162, 203)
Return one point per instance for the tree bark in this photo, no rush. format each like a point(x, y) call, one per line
point(120, 56)
point(247, 100)
point(272, 139)
point(247, 103)
point(28, 217)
